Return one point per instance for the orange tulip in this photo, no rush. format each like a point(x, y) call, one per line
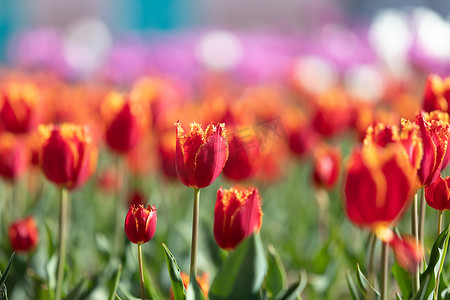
point(237, 215)
point(201, 154)
point(68, 155)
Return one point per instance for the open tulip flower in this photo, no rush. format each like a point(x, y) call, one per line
point(237, 215)
point(200, 154)
point(68, 154)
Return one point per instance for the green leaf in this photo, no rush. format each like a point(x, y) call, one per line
point(398, 297)
point(179, 292)
point(128, 294)
point(5, 273)
point(50, 268)
point(75, 293)
point(116, 283)
point(50, 244)
point(354, 293)
point(293, 292)
point(242, 273)
point(403, 279)
point(194, 292)
point(428, 278)
point(364, 284)
point(276, 274)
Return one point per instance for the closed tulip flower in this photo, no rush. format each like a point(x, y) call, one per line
point(378, 185)
point(140, 223)
point(13, 156)
point(200, 154)
point(68, 155)
point(434, 136)
point(126, 121)
point(327, 166)
point(437, 194)
point(240, 163)
point(437, 94)
point(18, 107)
point(23, 235)
point(237, 215)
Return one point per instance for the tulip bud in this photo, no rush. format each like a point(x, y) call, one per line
point(68, 156)
point(140, 223)
point(327, 166)
point(237, 215)
point(202, 282)
point(23, 235)
point(201, 154)
point(437, 194)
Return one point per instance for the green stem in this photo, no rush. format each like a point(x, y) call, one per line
point(373, 240)
point(423, 206)
point(322, 201)
point(63, 223)
point(121, 192)
point(384, 271)
point(436, 290)
point(439, 222)
point(141, 271)
point(193, 270)
point(415, 233)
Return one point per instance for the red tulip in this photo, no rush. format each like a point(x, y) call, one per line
point(435, 135)
point(166, 151)
point(68, 155)
point(437, 94)
point(202, 281)
point(18, 107)
point(140, 223)
point(437, 194)
point(237, 215)
point(327, 166)
point(23, 235)
point(378, 185)
point(407, 252)
point(13, 156)
point(240, 163)
point(126, 121)
point(201, 154)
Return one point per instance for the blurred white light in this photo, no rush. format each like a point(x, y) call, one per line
point(391, 38)
point(219, 50)
point(87, 42)
point(315, 74)
point(364, 82)
point(433, 33)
